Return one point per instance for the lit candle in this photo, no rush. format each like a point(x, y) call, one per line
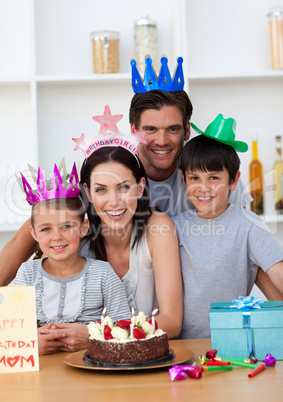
point(132, 324)
point(152, 317)
point(102, 320)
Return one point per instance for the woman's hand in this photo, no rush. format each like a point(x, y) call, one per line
point(48, 340)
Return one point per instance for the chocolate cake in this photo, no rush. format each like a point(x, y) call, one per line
point(121, 344)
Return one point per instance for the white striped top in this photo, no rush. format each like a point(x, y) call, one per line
point(80, 298)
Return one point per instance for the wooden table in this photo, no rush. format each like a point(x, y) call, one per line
point(57, 381)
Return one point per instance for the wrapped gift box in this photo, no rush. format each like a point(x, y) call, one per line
point(234, 332)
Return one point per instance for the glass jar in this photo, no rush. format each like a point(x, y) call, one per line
point(145, 42)
point(105, 47)
point(276, 38)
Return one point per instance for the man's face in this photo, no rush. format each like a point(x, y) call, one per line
point(164, 134)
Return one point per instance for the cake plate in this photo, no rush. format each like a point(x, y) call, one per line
point(177, 355)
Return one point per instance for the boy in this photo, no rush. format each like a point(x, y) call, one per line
point(221, 244)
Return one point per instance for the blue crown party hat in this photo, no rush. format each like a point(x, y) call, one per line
point(164, 82)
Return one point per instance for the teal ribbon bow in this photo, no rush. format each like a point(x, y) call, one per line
point(246, 303)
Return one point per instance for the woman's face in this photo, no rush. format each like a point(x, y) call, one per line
point(114, 193)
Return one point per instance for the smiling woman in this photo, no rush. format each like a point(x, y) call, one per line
point(140, 244)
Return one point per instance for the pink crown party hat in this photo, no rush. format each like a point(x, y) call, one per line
point(57, 188)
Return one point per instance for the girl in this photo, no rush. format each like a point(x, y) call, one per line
point(69, 288)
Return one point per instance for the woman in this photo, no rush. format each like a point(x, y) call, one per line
point(140, 245)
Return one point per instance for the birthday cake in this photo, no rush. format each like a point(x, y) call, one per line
point(135, 341)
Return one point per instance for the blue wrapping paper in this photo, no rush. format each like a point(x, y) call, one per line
point(242, 332)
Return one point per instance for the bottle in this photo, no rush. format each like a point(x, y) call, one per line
point(145, 42)
point(278, 176)
point(105, 50)
point(275, 17)
point(256, 181)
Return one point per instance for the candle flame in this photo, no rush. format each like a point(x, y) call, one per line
point(154, 311)
point(103, 311)
point(133, 311)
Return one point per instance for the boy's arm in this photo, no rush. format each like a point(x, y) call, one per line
point(265, 284)
point(275, 273)
point(18, 250)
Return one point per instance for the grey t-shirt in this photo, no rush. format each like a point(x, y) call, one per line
point(219, 259)
point(171, 197)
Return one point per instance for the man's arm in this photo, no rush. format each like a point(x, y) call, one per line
point(18, 250)
point(275, 273)
point(270, 283)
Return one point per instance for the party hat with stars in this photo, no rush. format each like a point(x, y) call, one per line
point(109, 136)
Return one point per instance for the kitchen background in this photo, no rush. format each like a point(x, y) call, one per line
point(49, 90)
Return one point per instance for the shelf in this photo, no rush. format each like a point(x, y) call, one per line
point(14, 81)
point(272, 218)
point(126, 78)
point(260, 75)
point(83, 79)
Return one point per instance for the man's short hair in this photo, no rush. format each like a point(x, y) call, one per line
point(156, 99)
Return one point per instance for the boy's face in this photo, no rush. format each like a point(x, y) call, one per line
point(209, 191)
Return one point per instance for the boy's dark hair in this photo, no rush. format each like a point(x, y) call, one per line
point(74, 204)
point(205, 154)
point(156, 99)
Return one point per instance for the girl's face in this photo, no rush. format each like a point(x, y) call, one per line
point(58, 232)
point(114, 193)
